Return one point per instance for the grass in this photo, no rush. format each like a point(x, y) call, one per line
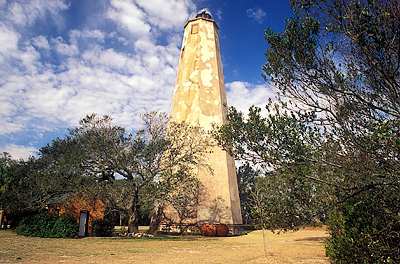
point(304, 246)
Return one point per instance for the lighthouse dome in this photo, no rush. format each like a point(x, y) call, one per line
point(203, 13)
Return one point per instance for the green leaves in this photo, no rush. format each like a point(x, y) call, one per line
point(339, 60)
point(101, 159)
point(27, 185)
point(276, 141)
point(46, 225)
point(283, 200)
point(286, 147)
point(336, 147)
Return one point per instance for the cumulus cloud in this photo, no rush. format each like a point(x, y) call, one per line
point(242, 95)
point(26, 12)
point(64, 48)
point(130, 17)
point(9, 126)
point(40, 42)
point(8, 40)
point(20, 151)
point(49, 81)
point(257, 14)
point(165, 14)
point(78, 35)
point(148, 18)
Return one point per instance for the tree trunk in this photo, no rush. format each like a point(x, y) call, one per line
point(265, 247)
point(133, 222)
point(156, 217)
point(133, 214)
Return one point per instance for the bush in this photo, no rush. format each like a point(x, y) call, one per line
point(102, 228)
point(39, 225)
point(358, 235)
point(66, 227)
point(46, 225)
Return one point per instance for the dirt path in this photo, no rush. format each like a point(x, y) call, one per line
point(304, 246)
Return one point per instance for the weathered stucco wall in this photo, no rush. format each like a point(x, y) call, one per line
point(199, 98)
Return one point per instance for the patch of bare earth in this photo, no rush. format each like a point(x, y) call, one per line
point(304, 246)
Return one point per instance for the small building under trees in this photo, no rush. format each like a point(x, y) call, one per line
point(89, 207)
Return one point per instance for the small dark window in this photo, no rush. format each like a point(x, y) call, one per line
point(195, 28)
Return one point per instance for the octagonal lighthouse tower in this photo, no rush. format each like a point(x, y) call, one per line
point(200, 99)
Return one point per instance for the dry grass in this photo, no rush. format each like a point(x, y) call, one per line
point(304, 246)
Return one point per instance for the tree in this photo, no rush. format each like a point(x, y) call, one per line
point(180, 191)
point(339, 58)
point(246, 178)
point(338, 61)
point(104, 153)
point(17, 178)
point(309, 174)
point(101, 151)
point(26, 186)
point(120, 196)
point(178, 187)
point(283, 146)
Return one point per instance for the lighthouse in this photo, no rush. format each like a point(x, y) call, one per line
point(200, 99)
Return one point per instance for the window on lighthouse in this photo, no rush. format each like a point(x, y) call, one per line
point(195, 28)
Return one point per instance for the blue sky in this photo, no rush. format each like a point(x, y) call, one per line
point(63, 59)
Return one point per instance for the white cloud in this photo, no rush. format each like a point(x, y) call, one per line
point(257, 14)
point(166, 14)
point(29, 58)
point(242, 95)
point(7, 127)
point(109, 58)
point(19, 151)
point(146, 18)
point(51, 81)
point(76, 35)
point(63, 48)
point(123, 40)
point(98, 83)
point(26, 12)
point(129, 16)
point(8, 40)
point(40, 42)
point(16, 13)
point(219, 14)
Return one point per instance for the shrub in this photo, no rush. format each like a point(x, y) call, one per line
point(102, 228)
point(46, 225)
point(39, 225)
point(357, 235)
point(66, 227)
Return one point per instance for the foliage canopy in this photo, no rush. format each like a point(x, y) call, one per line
point(334, 148)
point(130, 172)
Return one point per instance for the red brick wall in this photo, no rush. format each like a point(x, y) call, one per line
point(74, 205)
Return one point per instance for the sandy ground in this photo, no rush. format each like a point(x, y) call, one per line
point(304, 246)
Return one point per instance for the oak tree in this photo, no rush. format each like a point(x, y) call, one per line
point(338, 63)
